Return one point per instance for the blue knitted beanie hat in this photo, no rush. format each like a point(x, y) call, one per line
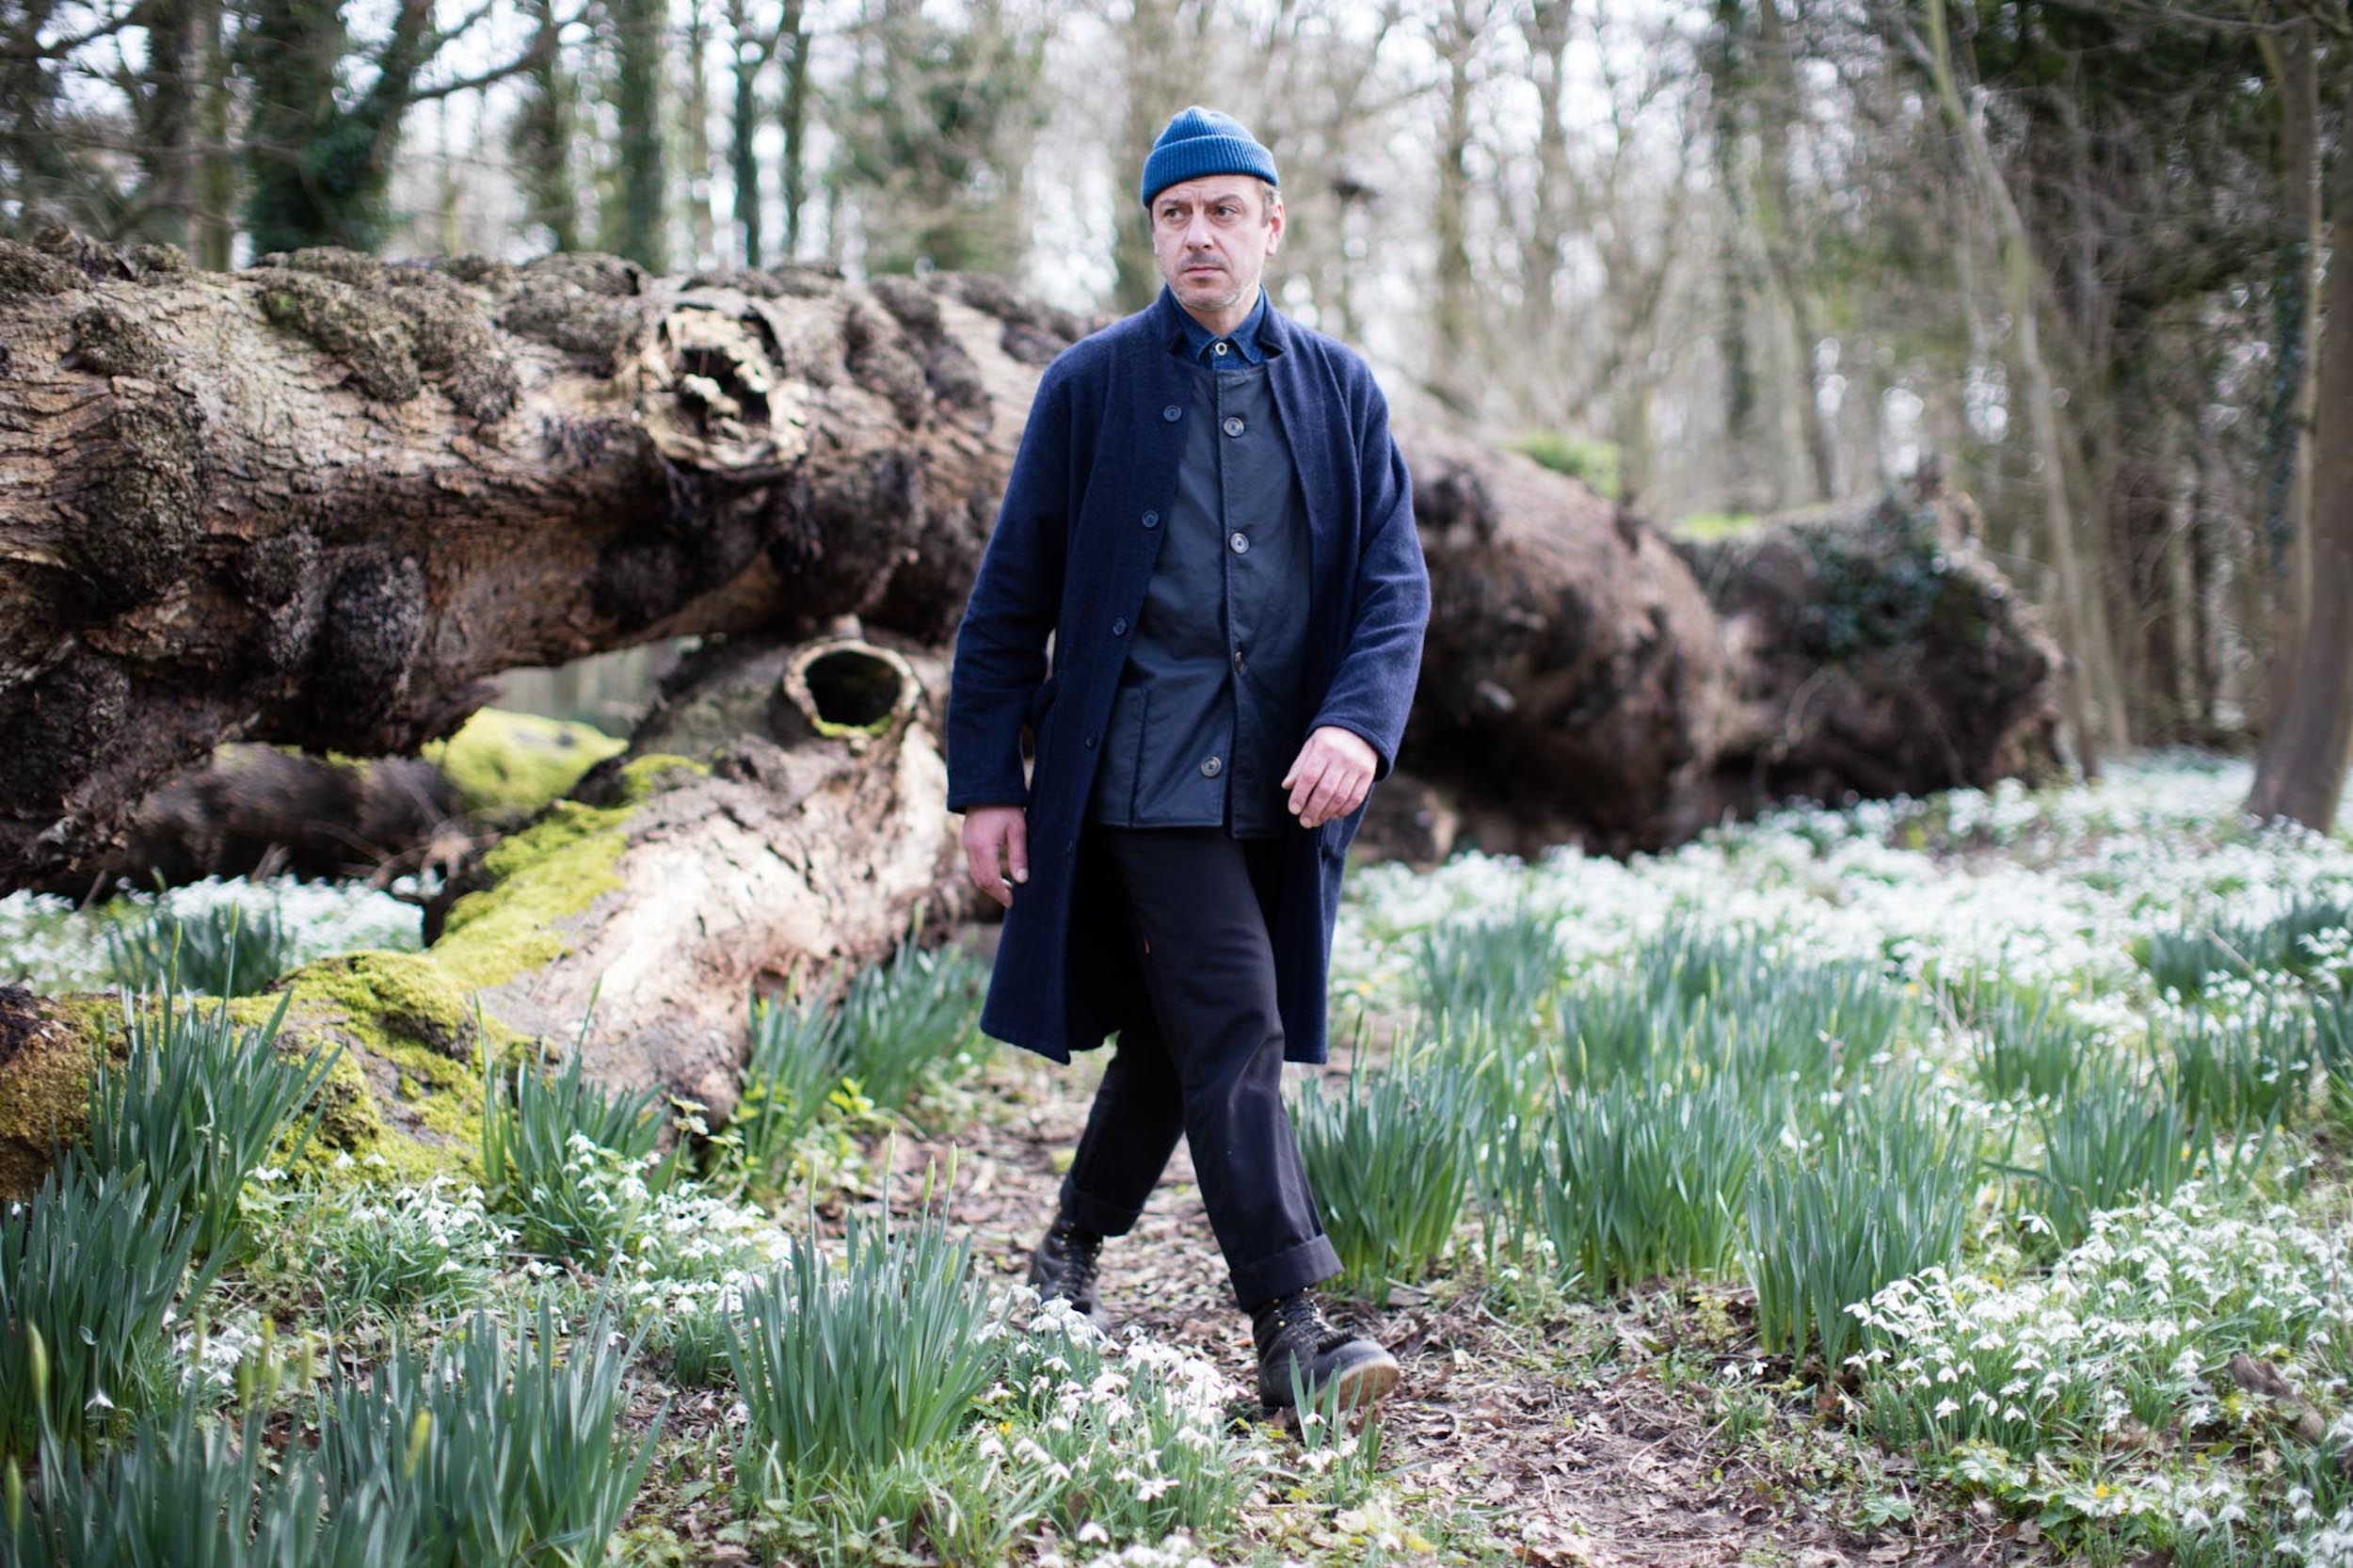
point(1201, 141)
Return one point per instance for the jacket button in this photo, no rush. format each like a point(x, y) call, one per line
point(1171, 414)
point(1090, 743)
point(1209, 768)
point(1238, 658)
point(1151, 520)
point(1233, 424)
point(1119, 627)
point(1241, 542)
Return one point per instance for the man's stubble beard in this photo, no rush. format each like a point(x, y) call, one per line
point(1231, 292)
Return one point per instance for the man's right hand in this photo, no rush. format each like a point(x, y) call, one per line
point(997, 848)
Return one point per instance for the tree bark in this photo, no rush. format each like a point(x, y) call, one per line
point(317, 503)
point(2096, 704)
point(808, 823)
point(1783, 106)
point(1588, 680)
point(631, 920)
point(2300, 770)
point(2283, 579)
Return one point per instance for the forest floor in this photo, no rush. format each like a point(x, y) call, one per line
point(1561, 1434)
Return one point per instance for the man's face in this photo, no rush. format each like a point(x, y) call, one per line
point(1213, 237)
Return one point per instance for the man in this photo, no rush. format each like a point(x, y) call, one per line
point(1208, 516)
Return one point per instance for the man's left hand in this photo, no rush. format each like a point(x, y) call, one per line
point(1332, 777)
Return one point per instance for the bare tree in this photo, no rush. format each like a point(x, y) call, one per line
point(2095, 710)
point(2300, 770)
point(2289, 40)
point(1457, 31)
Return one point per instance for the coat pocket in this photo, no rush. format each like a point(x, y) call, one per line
point(1034, 712)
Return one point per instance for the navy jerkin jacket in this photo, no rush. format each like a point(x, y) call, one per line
point(1071, 555)
point(1208, 713)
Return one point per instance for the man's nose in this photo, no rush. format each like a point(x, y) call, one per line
point(1198, 235)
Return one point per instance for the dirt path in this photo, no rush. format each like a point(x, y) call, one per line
point(1566, 1437)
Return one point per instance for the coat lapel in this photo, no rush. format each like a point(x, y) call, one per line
point(1156, 386)
point(1306, 424)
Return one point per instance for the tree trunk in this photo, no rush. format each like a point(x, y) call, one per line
point(1147, 46)
point(215, 219)
point(648, 906)
point(642, 29)
point(2095, 707)
point(2300, 770)
point(793, 37)
point(749, 57)
point(258, 810)
point(2284, 563)
point(317, 503)
point(168, 120)
point(1456, 35)
point(542, 134)
point(1784, 106)
point(785, 810)
point(1585, 680)
point(701, 224)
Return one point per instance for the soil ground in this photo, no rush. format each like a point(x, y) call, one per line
point(1572, 1433)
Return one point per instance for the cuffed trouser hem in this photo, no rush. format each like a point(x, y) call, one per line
point(1294, 1268)
point(1084, 1208)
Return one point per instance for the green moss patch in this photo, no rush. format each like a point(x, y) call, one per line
point(401, 1103)
point(558, 866)
point(515, 763)
point(391, 999)
point(44, 1078)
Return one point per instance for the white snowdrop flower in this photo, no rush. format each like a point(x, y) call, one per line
point(1092, 1532)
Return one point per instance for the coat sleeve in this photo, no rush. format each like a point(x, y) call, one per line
point(1372, 687)
point(1000, 643)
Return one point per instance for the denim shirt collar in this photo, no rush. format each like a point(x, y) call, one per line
point(1198, 341)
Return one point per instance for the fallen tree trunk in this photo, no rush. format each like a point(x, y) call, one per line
point(1590, 680)
point(803, 831)
point(256, 810)
point(318, 500)
point(649, 905)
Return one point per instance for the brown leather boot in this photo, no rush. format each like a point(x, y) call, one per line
point(1292, 1331)
point(1064, 1265)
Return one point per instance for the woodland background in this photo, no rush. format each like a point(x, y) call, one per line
point(1718, 260)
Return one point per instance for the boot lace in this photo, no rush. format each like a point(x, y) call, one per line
point(1081, 1253)
point(1303, 1314)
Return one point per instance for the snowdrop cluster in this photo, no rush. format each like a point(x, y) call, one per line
point(1173, 1551)
point(2083, 872)
point(675, 1250)
point(1131, 1432)
point(2124, 1347)
point(208, 1354)
point(397, 1245)
point(48, 943)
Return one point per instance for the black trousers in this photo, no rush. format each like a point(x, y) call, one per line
point(1202, 1055)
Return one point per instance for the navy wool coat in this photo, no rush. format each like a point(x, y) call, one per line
point(1072, 553)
